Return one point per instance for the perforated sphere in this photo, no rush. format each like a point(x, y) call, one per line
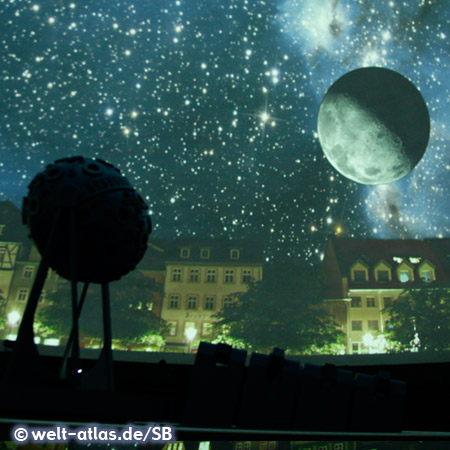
point(111, 223)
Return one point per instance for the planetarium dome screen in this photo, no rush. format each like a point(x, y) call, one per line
point(272, 225)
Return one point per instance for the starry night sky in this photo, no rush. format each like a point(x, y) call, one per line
point(210, 108)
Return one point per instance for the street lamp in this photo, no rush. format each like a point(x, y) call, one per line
point(13, 320)
point(190, 334)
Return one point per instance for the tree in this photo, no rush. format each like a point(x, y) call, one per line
point(420, 320)
point(133, 322)
point(3, 320)
point(282, 310)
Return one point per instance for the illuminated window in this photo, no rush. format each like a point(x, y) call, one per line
point(229, 276)
point(194, 275)
point(204, 253)
point(207, 328)
point(405, 276)
point(185, 253)
point(172, 327)
point(356, 302)
point(359, 275)
point(427, 276)
point(234, 254)
point(370, 302)
point(356, 325)
point(176, 275)
point(383, 275)
point(174, 302)
point(246, 276)
point(22, 295)
point(211, 276)
point(28, 272)
point(209, 303)
point(192, 302)
point(372, 325)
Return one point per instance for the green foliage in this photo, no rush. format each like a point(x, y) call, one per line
point(131, 315)
point(283, 310)
point(420, 320)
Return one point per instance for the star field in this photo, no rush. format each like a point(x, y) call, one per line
point(210, 109)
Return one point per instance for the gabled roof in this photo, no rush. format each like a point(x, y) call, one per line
point(160, 251)
point(393, 252)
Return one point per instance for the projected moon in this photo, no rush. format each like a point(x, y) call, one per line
point(373, 126)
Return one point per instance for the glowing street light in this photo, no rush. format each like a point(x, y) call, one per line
point(190, 334)
point(13, 319)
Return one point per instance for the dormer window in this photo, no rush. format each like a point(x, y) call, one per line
point(426, 276)
point(382, 275)
point(204, 253)
point(426, 272)
point(359, 275)
point(185, 253)
point(404, 276)
point(234, 254)
point(359, 271)
point(405, 272)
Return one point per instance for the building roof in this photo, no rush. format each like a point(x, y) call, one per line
point(161, 251)
point(391, 251)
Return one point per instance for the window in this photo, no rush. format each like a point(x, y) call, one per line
point(174, 302)
point(370, 302)
point(359, 275)
point(355, 347)
point(227, 302)
point(22, 295)
point(185, 253)
point(207, 328)
point(28, 272)
point(356, 325)
point(387, 301)
point(356, 302)
point(234, 254)
point(192, 302)
point(246, 276)
point(194, 275)
point(229, 276)
point(176, 275)
point(426, 276)
point(172, 327)
point(272, 445)
point(263, 445)
point(372, 325)
point(339, 446)
point(248, 445)
point(383, 275)
point(404, 276)
point(239, 446)
point(209, 303)
point(211, 276)
point(322, 447)
point(204, 253)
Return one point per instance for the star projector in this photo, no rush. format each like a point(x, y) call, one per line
point(86, 207)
